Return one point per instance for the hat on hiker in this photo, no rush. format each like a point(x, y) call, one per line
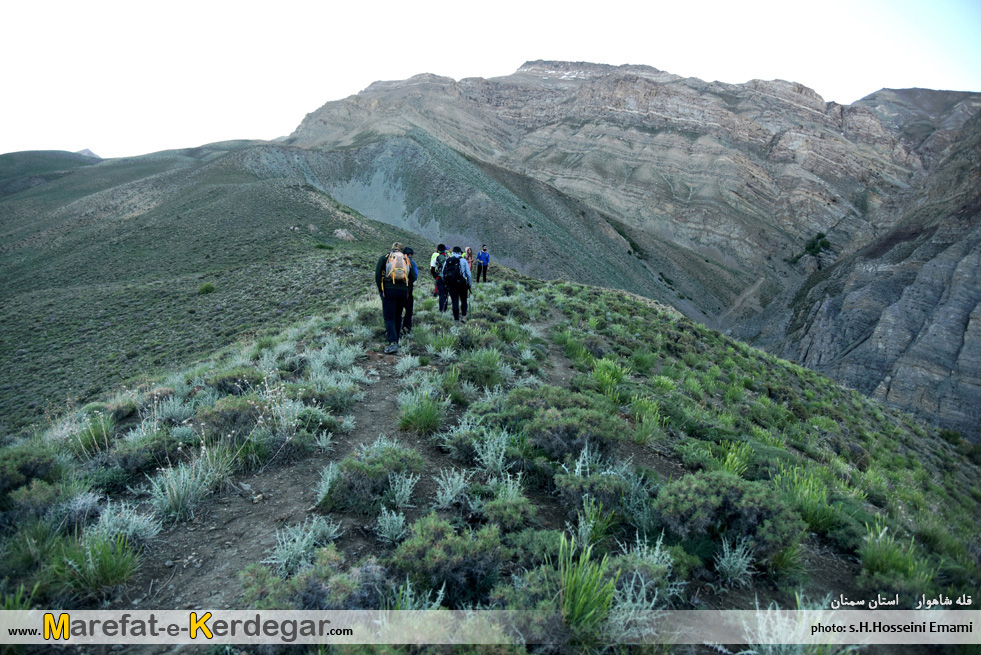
point(397, 246)
point(457, 249)
point(440, 248)
point(408, 251)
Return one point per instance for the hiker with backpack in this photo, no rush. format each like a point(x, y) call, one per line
point(407, 323)
point(394, 277)
point(483, 261)
point(456, 279)
point(436, 267)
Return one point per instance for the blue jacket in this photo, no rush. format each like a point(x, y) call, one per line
point(483, 258)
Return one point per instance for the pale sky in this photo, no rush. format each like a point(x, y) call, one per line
point(127, 78)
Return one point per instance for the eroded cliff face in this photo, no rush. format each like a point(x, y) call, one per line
point(740, 175)
point(708, 196)
point(900, 319)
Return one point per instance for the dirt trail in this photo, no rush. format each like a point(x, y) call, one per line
point(195, 564)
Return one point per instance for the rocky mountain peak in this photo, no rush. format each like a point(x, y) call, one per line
point(728, 199)
point(424, 79)
point(546, 70)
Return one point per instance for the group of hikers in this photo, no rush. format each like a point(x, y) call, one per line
point(453, 273)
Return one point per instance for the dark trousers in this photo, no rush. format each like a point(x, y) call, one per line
point(393, 306)
point(407, 321)
point(481, 268)
point(459, 297)
point(441, 290)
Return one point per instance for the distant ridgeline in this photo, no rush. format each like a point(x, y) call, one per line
point(842, 237)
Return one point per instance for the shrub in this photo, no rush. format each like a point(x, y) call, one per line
point(637, 504)
point(362, 479)
point(695, 455)
point(77, 512)
point(652, 561)
point(123, 519)
point(95, 436)
point(175, 491)
point(609, 374)
point(174, 410)
point(451, 487)
point(391, 527)
point(560, 433)
point(532, 547)
point(422, 413)
point(236, 381)
point(36, 498)
point(147, 447)
point(400, 487)
point(96, 566)
point(586, 591)
point(406, 598)
point(325, 585)
point(888, 565)
point(491, 448)
point(606, 488)
point(735, 563)
point(718, 504)
point(406, 365)
point(233, 415)
point(483, 368)
point(594, 527)
point(295, 545)
point(434, 555)
point(808, 494)
point(644, 587)
point(206, 288)
point(24, 462)
point(510, 508)
point(314, 420)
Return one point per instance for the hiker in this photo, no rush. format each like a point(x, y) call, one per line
point(407, 323)
point(435, 267)
point(456, 280)
point(469, 258)
point(483, 260)
point(394, 278)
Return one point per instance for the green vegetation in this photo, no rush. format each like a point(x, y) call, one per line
point(814, 247)
point(536, 460)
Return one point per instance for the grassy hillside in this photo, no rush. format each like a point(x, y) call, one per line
point(22, 170)
point(124, 267)
point(563, 428)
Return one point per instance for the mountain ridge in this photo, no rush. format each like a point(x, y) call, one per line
point(736, 176)
point(715, 198)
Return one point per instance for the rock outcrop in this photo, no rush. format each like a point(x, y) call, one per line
point(900, 319)
point(757, 207)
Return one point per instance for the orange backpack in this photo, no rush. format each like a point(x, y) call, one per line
point(397, 268)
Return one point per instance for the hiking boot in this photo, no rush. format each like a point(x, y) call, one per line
point(392, 349)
